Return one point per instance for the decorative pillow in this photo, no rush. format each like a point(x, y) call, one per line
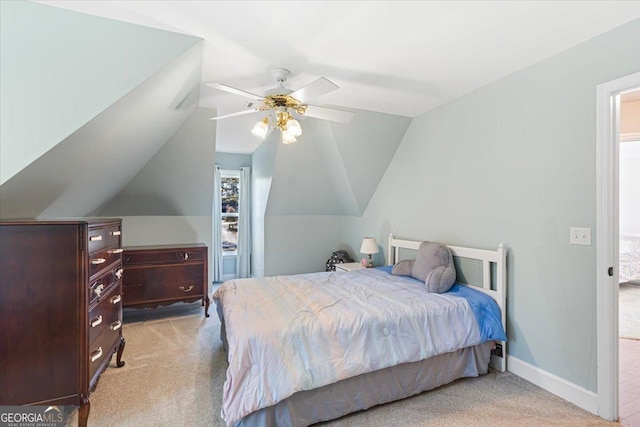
point(434, 265)
point(403, 268)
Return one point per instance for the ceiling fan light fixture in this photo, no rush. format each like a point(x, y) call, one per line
point(281, 102)
point(261, 128)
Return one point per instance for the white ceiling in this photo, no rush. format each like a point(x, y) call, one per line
point(397, 57)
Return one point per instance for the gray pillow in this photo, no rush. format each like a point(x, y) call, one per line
point(434, 266)
point(403, 268)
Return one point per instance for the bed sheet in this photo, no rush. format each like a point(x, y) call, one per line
point(288, 334)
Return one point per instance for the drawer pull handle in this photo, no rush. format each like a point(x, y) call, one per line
point(116, 233)
point(116, 325)
point(115, 251)
point(184, 256)
point(116, 299)
point(95, 355)
point(97, 261)
point(183, 289)
point(119, 272)
point(98, 290)
point(96, 321)
point(95, 238)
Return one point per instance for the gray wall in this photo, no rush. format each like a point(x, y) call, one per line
point(514, 162)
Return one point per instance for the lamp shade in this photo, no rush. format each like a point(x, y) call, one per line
point(261, 128)
point(293, 127)
point(288, 138)
point(369, 246)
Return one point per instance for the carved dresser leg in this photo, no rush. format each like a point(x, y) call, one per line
point(119, 362)
point(206, 306)
point(83, 411)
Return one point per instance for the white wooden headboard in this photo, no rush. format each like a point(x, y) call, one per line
point(499, 294)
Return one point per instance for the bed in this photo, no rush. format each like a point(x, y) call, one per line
point(309, 348)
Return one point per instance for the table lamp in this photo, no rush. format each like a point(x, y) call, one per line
point(369, 247)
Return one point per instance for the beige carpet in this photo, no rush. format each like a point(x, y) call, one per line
point(629, 311)
point(175, 369)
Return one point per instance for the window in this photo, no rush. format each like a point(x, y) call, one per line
point(229, 191)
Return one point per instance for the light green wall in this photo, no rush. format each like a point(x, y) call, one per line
point(303, 190)
point(333, 169)
point(59, 69)
point(262, 166)
point(165, 230)
point(514, 162)
point(178, 180)
point(302, 183)
point(366, 147)
point(300, 243)
point(233, 161)
point(171, 199)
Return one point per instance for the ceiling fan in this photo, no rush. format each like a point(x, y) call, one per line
point(281, 104)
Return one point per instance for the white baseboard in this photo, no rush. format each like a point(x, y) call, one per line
point(573, 393)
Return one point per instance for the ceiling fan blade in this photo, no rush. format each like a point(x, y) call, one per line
point(325, 113)
point(239, 113)
point(235, 91)
point(314, 89)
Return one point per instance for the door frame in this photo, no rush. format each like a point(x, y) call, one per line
point(607, 230)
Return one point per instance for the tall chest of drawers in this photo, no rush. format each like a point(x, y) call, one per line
point(60, 309)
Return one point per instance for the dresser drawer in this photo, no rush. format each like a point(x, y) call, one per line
point(103, 284)
point(106, 315)
point(147, 292)
point(101, 348)
point(103, 237)
point(162, 283)
point(177, 256)
point(101, 259)
point(100, 286)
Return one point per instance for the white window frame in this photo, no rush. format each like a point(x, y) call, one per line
point(229, 173)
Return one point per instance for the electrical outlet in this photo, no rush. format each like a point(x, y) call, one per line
point(580, 236)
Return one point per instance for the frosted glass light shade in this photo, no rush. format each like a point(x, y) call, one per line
point(293, 127)
point(369, 246)
point(261, 128)
point(288, 138)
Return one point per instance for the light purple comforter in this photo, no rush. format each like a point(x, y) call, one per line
point(291, 333)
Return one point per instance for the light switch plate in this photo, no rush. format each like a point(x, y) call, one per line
point(580, 236)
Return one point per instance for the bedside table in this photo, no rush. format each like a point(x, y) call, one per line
point(348, 266)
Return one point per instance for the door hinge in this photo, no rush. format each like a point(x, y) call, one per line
point(610, 271)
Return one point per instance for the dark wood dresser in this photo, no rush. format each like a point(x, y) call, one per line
point(164, 274)
point(60, 309)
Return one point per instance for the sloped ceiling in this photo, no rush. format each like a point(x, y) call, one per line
point(334, 169)
point(60, 69)
point(79, 175)
point(396, 57)
point(178, 180)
